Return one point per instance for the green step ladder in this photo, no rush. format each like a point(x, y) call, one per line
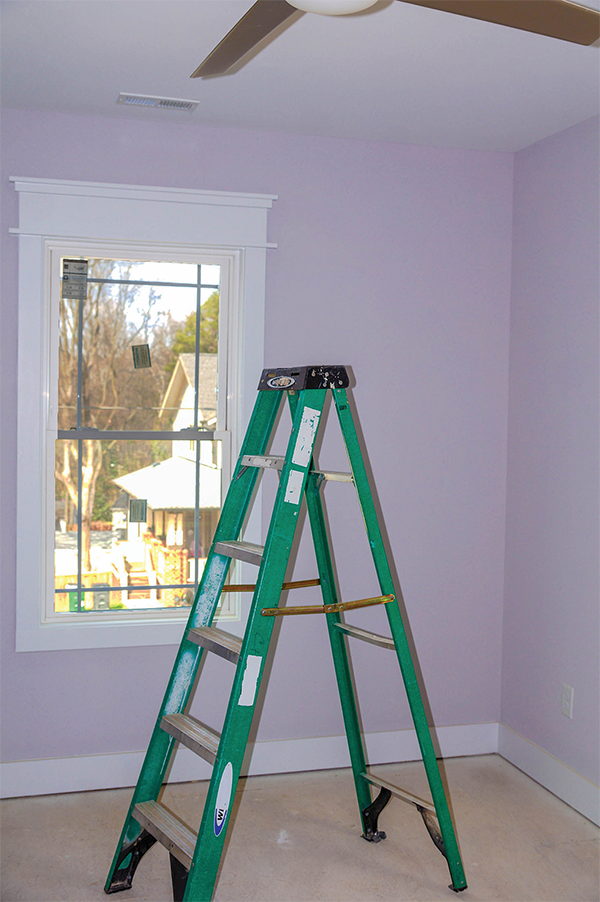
point(194, 858)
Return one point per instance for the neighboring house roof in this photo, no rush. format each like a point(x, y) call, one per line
point(169, 485)
point(183, 378)
point(122, 502)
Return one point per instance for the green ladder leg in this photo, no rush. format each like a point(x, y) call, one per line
point(336, 638)
point(338, 645)
point(447, 840)
point(415, 701)
point(133, 839)
point(238, 720)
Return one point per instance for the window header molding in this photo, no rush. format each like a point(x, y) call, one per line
point(141, 192)
point(58, 208)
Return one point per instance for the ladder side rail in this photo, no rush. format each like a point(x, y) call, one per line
point(316, 516)
point(338, 644)
point(247, 680)
point(398, 632)
point(189, 655)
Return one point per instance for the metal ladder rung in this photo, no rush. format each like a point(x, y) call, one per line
point(333, 476)
point(400, 793)
point(172, 833)
point(241, 551)
point(265, 462)
point(217, 641)
point(365, 635)
point(274, 462)
point(200, 739)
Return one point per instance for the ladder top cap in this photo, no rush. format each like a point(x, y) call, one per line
point(301, 377)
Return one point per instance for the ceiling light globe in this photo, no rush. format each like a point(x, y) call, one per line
point(332, 7)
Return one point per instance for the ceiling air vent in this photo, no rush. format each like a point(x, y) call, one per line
point(163, 103)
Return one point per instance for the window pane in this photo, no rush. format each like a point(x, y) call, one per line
point(211, 275)
point(145, 529)
point(68, 363)
point(134, 519)
point(179, 397)
point(133, 336)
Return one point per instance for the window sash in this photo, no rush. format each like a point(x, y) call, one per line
point(229, 609)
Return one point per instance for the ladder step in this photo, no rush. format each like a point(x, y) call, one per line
point(333, 476)
point(266, 462)
point(200, 739)
point(273, 462)
point(172, 833)
point(366, 636)
point(241, 551)
point(217, 641)
point(400, 793)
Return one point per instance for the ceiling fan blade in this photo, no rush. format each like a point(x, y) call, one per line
point(260, 20)
point(554, 18)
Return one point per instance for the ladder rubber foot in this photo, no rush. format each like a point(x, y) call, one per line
point(458, 889)
point(375, 837)
point(127, 862)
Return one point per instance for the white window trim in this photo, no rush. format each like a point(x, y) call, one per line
point(54, 213)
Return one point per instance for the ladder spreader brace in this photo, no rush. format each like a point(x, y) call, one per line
point(328, 608)
point(195, 858)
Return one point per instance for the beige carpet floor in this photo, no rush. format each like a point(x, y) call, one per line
point(296, 838)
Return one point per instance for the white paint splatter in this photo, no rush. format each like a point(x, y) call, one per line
point(181, 682)
point(210, 589)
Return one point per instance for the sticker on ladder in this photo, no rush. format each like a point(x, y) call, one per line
point(250, 680)
point(306, 436)
point(223, 798)
point(294, 487)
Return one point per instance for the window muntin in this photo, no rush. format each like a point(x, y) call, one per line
point(133, 511)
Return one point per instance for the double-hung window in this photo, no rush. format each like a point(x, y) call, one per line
point(139, 352)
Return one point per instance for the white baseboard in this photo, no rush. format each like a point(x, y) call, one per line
point(48, 776)
point(571, 787)
point(57, 775)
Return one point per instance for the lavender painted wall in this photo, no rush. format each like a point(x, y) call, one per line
point(394, 260)
point(551, 628)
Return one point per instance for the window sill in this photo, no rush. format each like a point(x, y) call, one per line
point(120, 631)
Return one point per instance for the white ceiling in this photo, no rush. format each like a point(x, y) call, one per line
point(395, 73)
